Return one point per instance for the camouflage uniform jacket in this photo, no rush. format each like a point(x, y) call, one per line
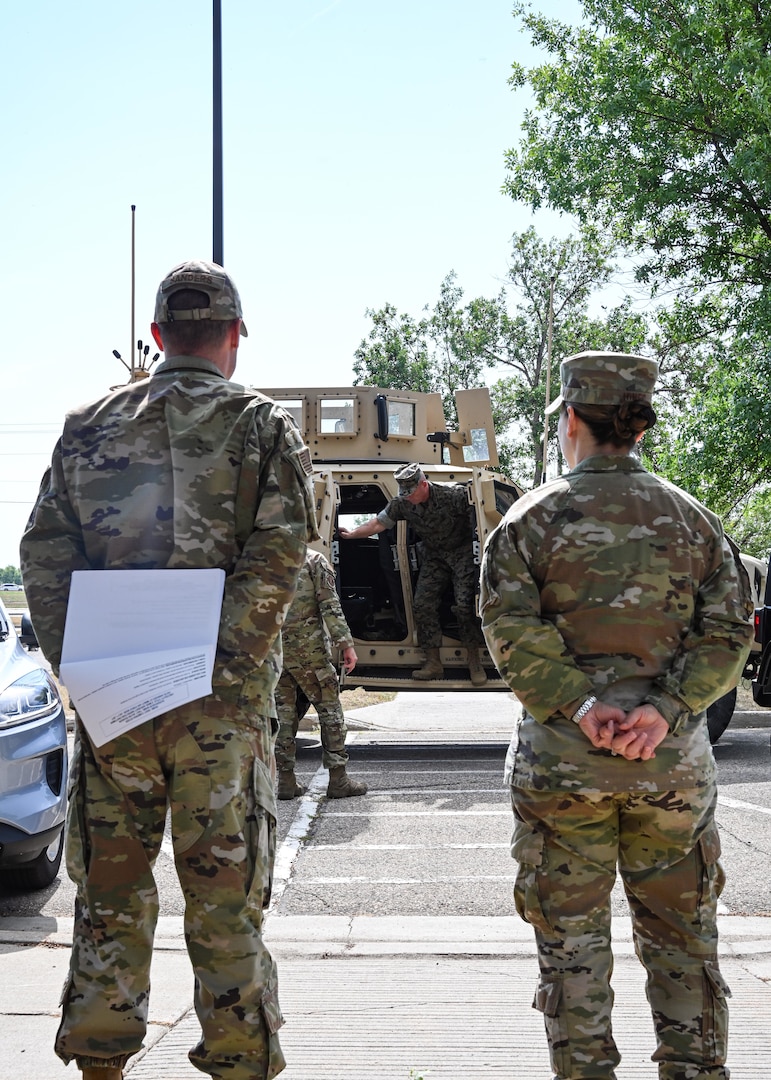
point(315, 615)
point(612, 581)
point(183, 470)
point(444, 522)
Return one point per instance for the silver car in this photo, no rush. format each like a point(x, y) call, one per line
point(33, 767)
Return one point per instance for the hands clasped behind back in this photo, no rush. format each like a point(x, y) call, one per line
point(633, 735)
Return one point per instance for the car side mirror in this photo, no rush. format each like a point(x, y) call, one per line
point(27, 635)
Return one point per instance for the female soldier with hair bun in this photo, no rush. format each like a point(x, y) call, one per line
point(617, 611)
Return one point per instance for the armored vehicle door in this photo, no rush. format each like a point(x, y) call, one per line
point(474, 441)
point(327, 499)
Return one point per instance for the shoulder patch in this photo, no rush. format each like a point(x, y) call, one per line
point(305, 460)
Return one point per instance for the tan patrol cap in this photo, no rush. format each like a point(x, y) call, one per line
point(605, 378)
point(207, 277)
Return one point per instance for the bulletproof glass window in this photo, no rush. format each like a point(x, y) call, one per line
point(401, 418)
point(337, 416)
point(479, 450)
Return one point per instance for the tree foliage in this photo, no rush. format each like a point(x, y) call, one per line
point(654, 120)
point(719, 449)
point(563, 274)
point(439, 353)
point(454, 344)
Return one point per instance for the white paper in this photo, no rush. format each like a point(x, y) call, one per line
point(138, 643)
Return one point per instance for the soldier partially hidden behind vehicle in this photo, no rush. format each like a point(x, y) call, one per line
point(315, 622)
point(443, 519)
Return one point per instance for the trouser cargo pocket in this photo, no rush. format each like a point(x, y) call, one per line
point(716, 992)
point(549, 1001)
point(527, 847)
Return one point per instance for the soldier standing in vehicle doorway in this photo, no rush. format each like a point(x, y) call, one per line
point(314, 623)
point(617, 611)
point(443, 518)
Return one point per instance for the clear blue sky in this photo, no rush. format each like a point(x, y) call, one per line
point(363, 161)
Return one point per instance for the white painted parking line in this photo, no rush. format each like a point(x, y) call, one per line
point(297, 836)
point(737, 804)
point(405, 792)
point(417, 813)
point(404, 881)
point(407, 847)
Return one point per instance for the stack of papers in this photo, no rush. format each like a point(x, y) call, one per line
point(138, 643)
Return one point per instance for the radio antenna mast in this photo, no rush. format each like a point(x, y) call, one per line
point(217, 221)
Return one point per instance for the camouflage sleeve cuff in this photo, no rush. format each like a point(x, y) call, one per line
point(569, 710)
point(673, 709)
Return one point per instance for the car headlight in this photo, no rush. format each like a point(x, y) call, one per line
point(29, 698)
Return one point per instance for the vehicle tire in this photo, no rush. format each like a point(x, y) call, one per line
point(39, 873)
point(719, 715)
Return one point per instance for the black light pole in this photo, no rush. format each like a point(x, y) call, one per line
point(218, 255)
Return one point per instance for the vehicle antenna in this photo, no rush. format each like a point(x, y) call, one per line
point(118, 356)
point(133, 288)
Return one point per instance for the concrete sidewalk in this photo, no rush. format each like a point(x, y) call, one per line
point(380, 998)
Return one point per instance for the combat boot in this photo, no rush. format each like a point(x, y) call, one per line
point(100, 1072)
point(341, 786)
point(289, 787)
point(475, 669)
point(432, 668)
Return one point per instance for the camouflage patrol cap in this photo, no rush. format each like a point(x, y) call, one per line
point(605, 378)
point(408, 477)
point(207, 277)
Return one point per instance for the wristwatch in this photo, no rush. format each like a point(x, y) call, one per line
point(582, 710)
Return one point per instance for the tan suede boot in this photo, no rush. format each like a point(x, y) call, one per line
point(341, 786)
point(432, 668)
point(289, 787)
point(99, 1072)
point(475, 669)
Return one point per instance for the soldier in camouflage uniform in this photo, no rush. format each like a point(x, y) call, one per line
point(182, 470)
point(617, 611)
point(314, 622)
point(443, 519)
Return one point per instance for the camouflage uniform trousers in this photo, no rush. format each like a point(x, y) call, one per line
point(211, 762)
point(667, 846)
point(437, 572)
point(313, 680)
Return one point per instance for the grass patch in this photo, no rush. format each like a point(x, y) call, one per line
point(14, 600)
point(358, 697)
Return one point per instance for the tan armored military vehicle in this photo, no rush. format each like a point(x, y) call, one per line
point(357, 437)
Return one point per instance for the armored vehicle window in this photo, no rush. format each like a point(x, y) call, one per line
point(479, 450)
point(336, 416)
point(401, 418)
point(505, 496)
point(294, 407)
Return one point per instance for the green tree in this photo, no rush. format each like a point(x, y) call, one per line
point(396, 353)
point(455, 344)
point(719, 447)
point(11, 575)
point(439, 353)
point(571, 270)
point(654, 120)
